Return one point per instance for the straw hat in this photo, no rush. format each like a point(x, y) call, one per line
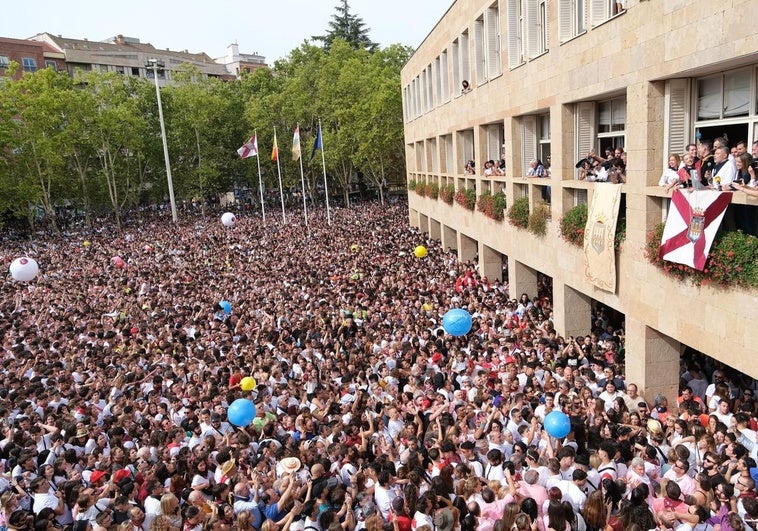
point(290, 465)
point(228, 466)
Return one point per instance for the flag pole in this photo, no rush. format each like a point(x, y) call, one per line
point(260, 181)
point(323, 165)
point(279, 172)
point(302, 181)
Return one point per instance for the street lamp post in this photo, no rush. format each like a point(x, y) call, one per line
point(155, 65)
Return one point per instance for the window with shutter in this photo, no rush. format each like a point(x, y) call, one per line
point(480, 57)
point(494, 61)
point(449, 155)
point(494, 141)
point(466, 142)
point(429, 88)
point(544, 31)
point(528, 141)
point(444, 78)
point(533, 30)
point(455, 57)
point(465, 57)
point(565, 20)
point(515, 51)
point(433, 155)
point(585, 128)
point(676, 126)
point(600, 11)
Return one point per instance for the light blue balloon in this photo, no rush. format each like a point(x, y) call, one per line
point(557, 424)
point(226, 306)
point(241, 412)
point(457, 322)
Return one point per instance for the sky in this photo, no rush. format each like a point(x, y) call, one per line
point(270, 28)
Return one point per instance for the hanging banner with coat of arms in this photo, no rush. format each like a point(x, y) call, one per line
point(694, 219)
point(600, 235)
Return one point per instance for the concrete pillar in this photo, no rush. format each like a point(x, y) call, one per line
point(645, 138)
point(467, 248)
point(490, 263)
point(571, 310)
point(434, 229)
point(521, 279)
point(423, 223)
point(449, 238)
point(652, 361)
point(413, 217)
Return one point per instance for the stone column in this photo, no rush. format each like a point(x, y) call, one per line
point(434, 229)
point(521, 279)
point(467, 248)
point(490, 263)
point(571, 310)
point(652, 362)
point(449, 238)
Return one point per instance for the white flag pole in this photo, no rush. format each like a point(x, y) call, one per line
point(323, 165)
point(279, 171)
point(302, 183)
point(260, 181)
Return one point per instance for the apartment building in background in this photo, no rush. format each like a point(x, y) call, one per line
point(125, 55)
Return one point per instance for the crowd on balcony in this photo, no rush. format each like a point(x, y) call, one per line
point(116, 383)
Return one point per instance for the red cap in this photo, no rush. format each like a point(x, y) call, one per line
point(96, 476)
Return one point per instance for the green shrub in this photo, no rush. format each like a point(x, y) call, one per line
point(466, 198)
point(518, 214)
point(492, 205)
point(538, 218)
point(432, 190)
point(447, 193)
point(733, 260)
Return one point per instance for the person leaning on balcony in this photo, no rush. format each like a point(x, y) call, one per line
point(723, 170)
point(536, 169)
point(747, 189)
point(617, 171)
point(704, 164)
point(670, 177)
point(489, 168)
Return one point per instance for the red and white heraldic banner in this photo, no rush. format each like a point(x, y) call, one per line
point(693, 221)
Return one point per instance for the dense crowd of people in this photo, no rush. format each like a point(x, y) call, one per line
point(117, 376)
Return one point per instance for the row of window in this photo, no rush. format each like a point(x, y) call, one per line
point(527, 38)
point(707, 107)
point(29, 64)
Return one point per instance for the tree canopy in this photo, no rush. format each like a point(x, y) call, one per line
point(348, 27)
point(92, 143)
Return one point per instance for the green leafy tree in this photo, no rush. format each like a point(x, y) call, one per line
point(120, 134)
point(380, 153)
point(202, 120)
point(347, 27)
point(34, 118)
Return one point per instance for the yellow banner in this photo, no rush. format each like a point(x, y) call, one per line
point(600, 235)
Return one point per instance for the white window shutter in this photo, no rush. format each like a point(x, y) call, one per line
point(444, 78)
point(528, 141)
point(598, 11)
point(494, 60)
point(533, 28)
point(676, 125)
point(465, 57)
point(455, 58)
point(479, 51)
point(546, 29)
point(585, 128)
point(514, 27)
